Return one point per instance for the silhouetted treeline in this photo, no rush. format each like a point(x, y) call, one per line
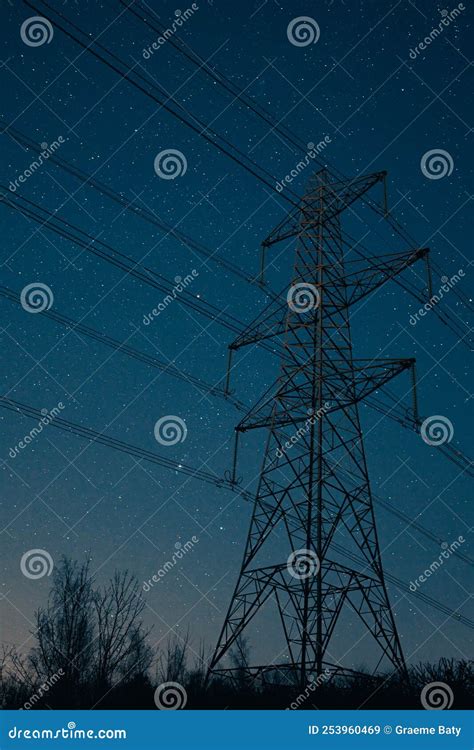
point(90, 645)
point(91, 650)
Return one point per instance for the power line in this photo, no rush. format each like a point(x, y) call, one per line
point(463, 298)
point(222, 80)
point(171, 369)
point(205, 476)
point(119, 445)
point(413, 422)
point(200, 128)
point(123, 347)
point(442, 315)
point(102, 187)
point(130, 205)
point(396, 226)
point(106, 252)
point(179, 105)
point(129, 266)
point(219, 78)
point(237, 93)
point(213, 390)
point(418, 594)
point(186, 239)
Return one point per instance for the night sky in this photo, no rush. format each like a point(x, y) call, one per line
point(381, 109)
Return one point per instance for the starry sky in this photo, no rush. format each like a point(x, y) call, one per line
point(381, 110)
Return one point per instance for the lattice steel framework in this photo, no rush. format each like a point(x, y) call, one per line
point(314, 490)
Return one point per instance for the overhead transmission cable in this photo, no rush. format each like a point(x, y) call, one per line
point(149, 88)
point(131, 205)
point(205, 476)
point(106, 252)
point(123, 347)
point(374, 207)
point(103, 439)
point(89, 49)
point(214, 390)
point(442, 314)
point(221, 79)
point(240, 95)
point(102, 250)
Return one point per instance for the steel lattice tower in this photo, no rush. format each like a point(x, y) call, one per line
point(314, 486)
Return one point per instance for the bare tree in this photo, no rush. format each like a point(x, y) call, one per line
point(16, 678)
point(92, 636)
point(196, 677)
point(121, 649)
point(456, 673)
point(172, 663)
point(65, 627)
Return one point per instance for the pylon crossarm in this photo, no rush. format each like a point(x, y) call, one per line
point(340, 195)
point(345, 193)
point(270, 322)
point(359, 283)
point(346, 385)
point(349, 386)
point(363, 282)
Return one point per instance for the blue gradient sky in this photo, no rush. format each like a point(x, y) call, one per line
point(382, 110)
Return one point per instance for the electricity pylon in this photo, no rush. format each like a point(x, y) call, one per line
point(313, 497)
